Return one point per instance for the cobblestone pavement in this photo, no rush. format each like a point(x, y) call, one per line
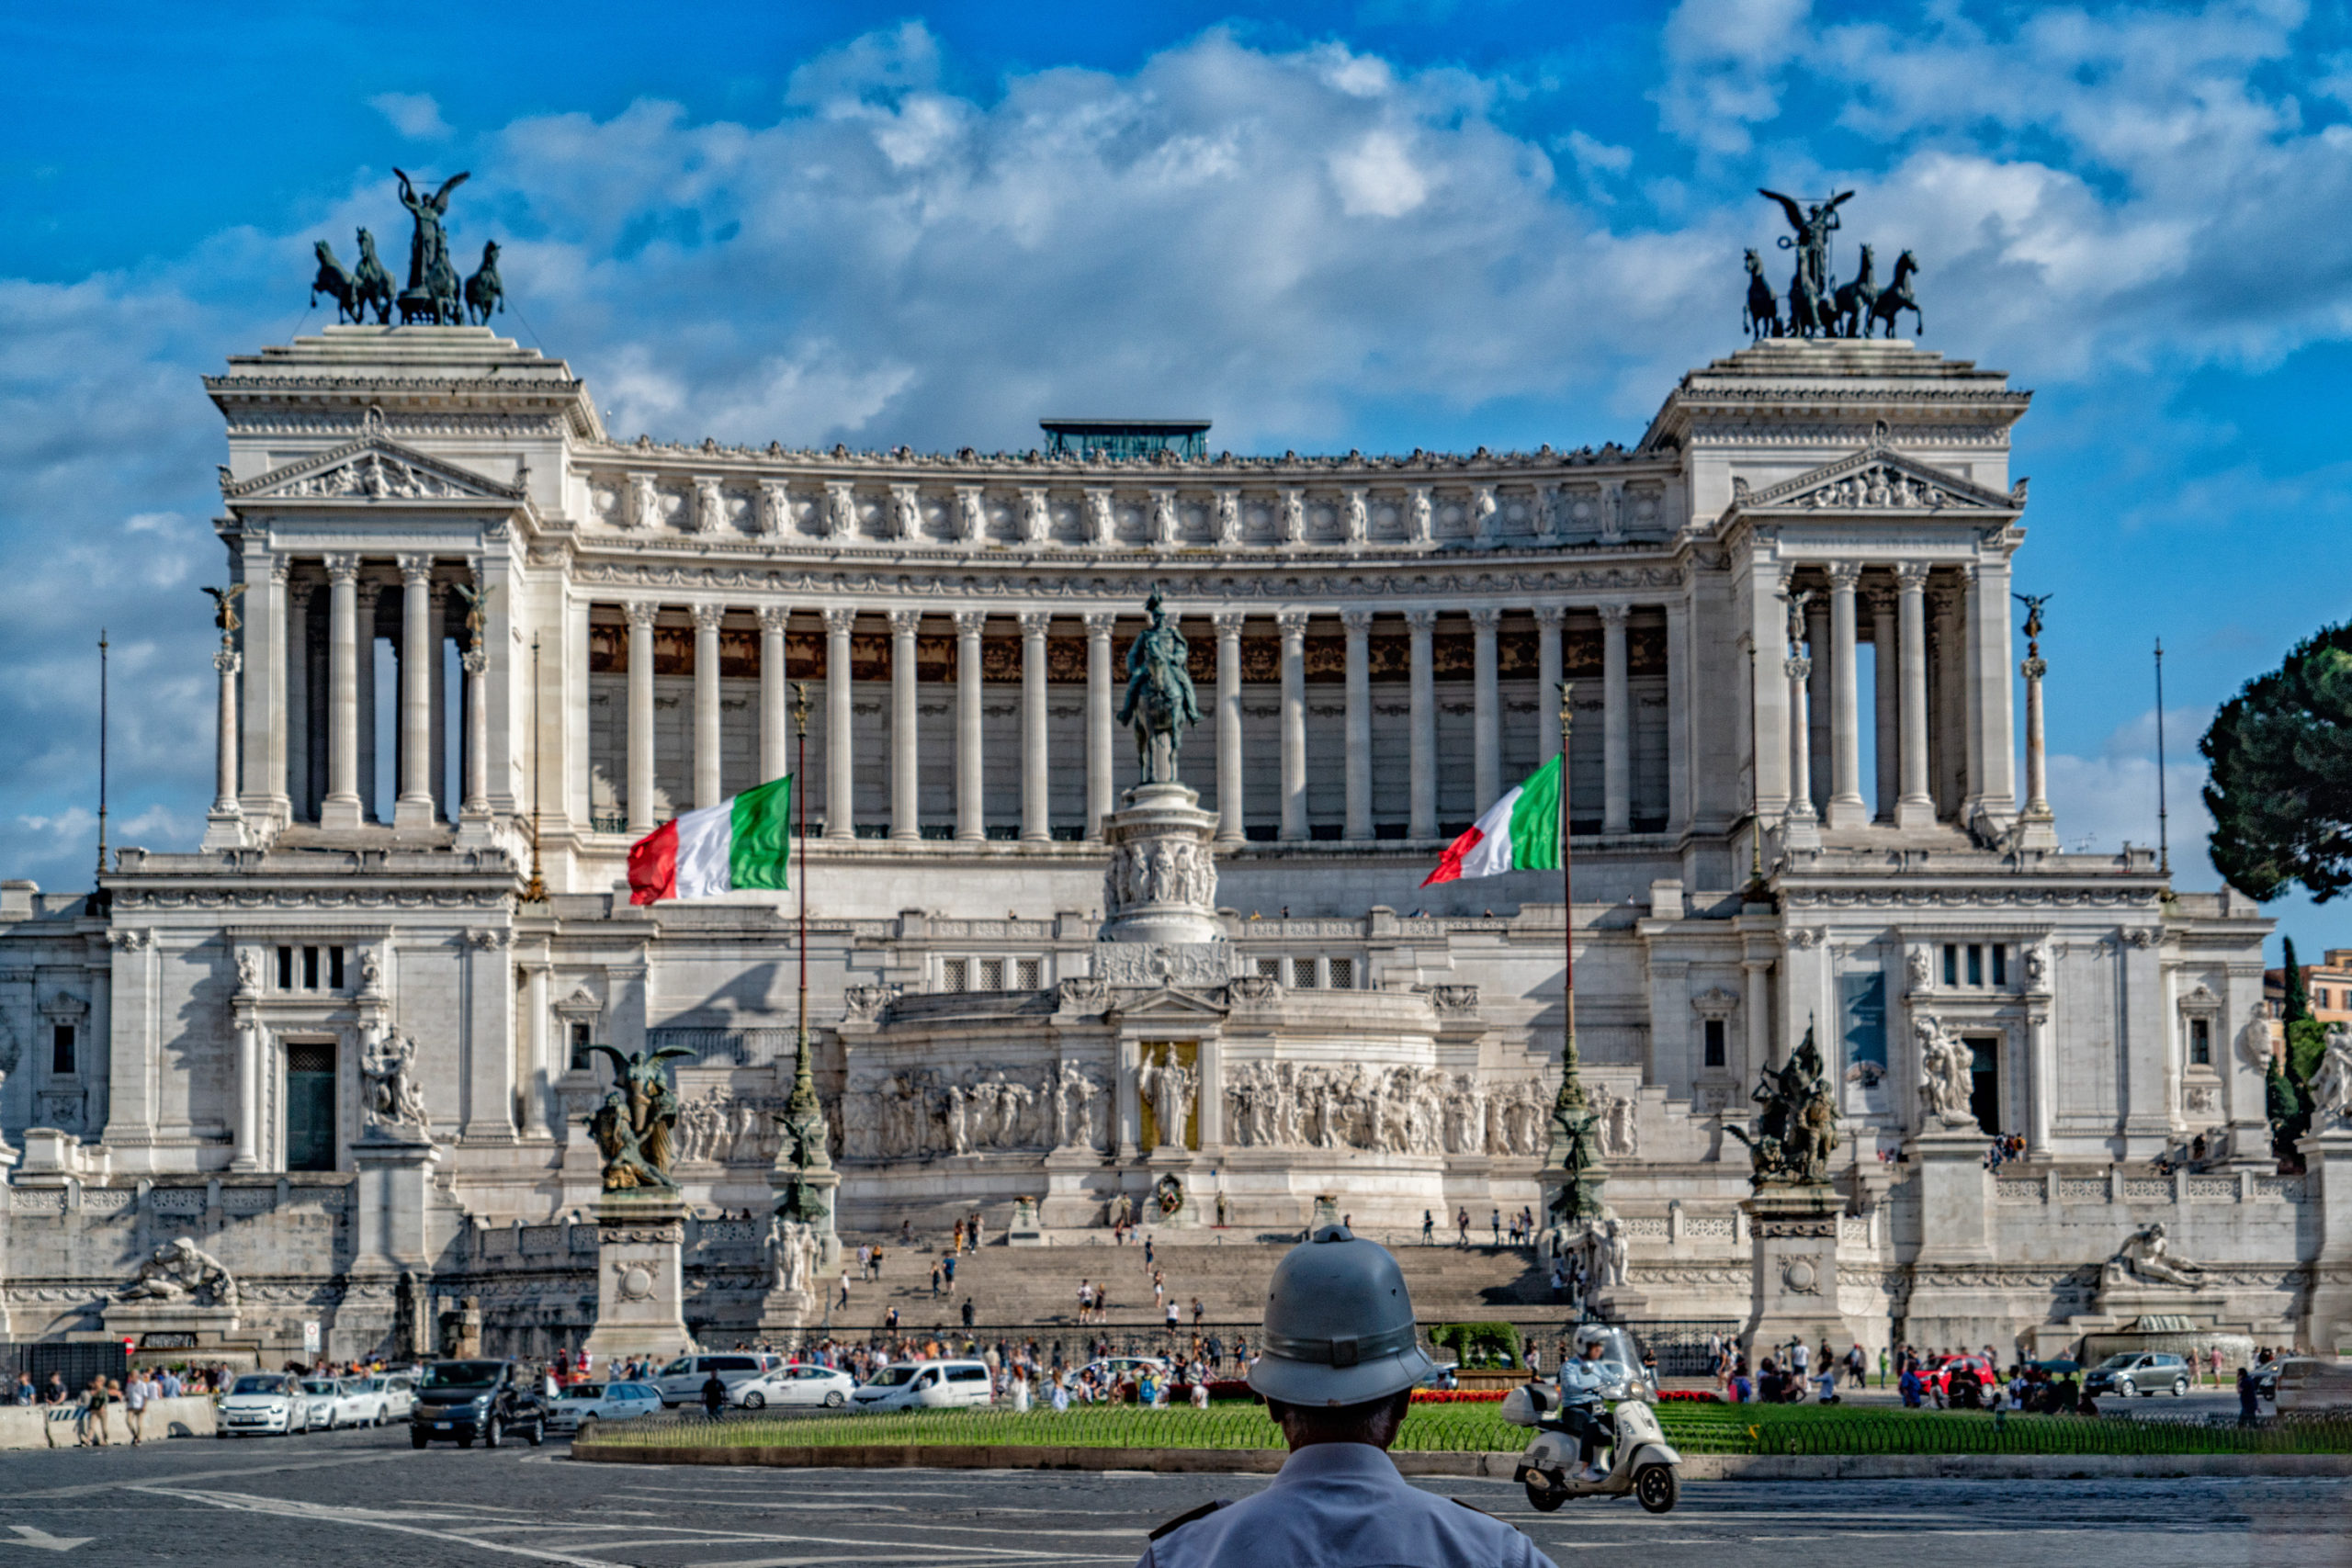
point(366, 1497)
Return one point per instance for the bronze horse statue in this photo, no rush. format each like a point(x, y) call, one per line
point(1810, 314)
point(483, 291)
point(1760, 317)
point(1896, 298)
point(372, 283)
point(334, 282)
point(1853, 301)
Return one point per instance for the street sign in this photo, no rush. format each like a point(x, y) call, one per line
point(310, 1336)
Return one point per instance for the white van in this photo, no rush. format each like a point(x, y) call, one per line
point(681, 1381)
point(925, 1385)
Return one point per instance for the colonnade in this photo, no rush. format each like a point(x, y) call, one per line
point(1222, 709)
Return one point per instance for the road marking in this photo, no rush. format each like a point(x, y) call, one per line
point(29, 1536)
point(373, 1457)
point(237, 1501)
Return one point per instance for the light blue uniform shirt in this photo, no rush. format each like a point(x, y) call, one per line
point(1343, 1506)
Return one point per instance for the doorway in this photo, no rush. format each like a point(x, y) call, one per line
point(310, 1106)
point(1984, 1081)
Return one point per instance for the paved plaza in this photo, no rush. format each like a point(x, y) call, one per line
point(365, 1496)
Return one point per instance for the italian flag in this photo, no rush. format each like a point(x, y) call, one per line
point(742, 842)
point(1519, 832)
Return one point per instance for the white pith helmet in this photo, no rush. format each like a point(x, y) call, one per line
point(1339, 1325)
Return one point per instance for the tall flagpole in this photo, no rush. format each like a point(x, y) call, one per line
point(800, 792)
point(102, 757)
point(1567, 885)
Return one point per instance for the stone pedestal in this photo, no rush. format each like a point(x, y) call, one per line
point(1947, 1303)
point(395, 1169)
point(1161, 886)
point(2328, 1178)
point(1025, 1230)
point(170, 1325)
point(640, 1280)
point(1792, 1235)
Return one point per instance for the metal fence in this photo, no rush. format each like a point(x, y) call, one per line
point(77, 1363)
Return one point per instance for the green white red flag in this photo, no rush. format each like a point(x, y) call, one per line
point(1519, 832)
point(744, 842)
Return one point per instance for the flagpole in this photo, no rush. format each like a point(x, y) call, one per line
point(98, 882)
point(1567, 882)
point(800, 780)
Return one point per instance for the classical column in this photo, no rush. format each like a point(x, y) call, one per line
point(414, 806)
point(841, 807)
point(224, 826)
point(341, 807)
point(1886, 689)
point(1549, 672)
point(1994, 763)
point(1422, 722)
point(436, 703)
point(477, 801)
point(709, 789)
point(1486, 709)
point(277, 717)
point(1968, 603)
point(2040, 831)
point(1036, 826)
point(1845, 808)
point(1358, 765)
point(1803, 830)
point(1759, 1005)
point(969, 827)
point(640, 716)
point(1817, 702)
point(245, 1153)
point(305, 741)
point(535, 1058)
point(263, 599)
point(1617, 724)
point(776, 727)
point(1292, 624)
point(1915, 807)
point(904, 823)
point(1100, 739)
point(1229, 828)
point(370, 808)
point(1678, 787)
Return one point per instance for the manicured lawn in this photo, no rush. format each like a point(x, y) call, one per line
point(1476, 1428)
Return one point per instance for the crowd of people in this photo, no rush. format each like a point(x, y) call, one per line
point(93, 1405)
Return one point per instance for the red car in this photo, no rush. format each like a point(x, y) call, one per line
point(1939, 1377)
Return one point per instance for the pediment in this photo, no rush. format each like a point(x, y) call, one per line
point(1171, 1003)
point(1877, 478)
point(374, 467)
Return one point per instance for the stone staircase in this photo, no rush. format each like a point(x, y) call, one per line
point(1038, 1287)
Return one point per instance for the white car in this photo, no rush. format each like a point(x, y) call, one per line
point(399, 1393)
point(582, 1404)
point(344, 1402)
point(261, 1403)
point(925, 1385)
point(801, 1383)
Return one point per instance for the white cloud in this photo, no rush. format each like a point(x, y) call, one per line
point(1376, 178)
point(416, 115)
point(2107, 800)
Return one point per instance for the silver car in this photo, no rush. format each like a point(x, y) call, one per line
point(2143, 1372)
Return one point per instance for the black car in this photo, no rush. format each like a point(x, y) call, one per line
point(460, 1401)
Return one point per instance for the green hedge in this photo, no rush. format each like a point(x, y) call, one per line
point(1479, 1344)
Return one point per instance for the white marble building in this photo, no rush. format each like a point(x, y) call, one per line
point(1376, 641)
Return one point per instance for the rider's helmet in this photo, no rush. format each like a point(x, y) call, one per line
point(1339, 1325)
point(1589, 1335)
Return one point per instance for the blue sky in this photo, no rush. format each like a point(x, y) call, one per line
point(1391, 224)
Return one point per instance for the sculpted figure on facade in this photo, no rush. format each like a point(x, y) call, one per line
point(2331, 1082)
point(716, 1125)
point(181, 1271)
point(2037, 966)
point(389, 1067)
point(1944, 1074)
point(980, 1109)
point(1918, 971)
point(248, 972)
point(1796, 1127)
point(792, 1255)
point(2146, 1256)
point(1170, 1087)
point(2255, 1045)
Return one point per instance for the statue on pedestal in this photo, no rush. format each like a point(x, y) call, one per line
point(1946, 1074)
point(1797, 1129)
point(179, 1271)
point(2146, 1258)
point(634, 1126)
point(390, 1070)
point(1160, 703)
point(2331, 1081)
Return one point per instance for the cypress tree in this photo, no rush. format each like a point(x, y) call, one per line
point(2299, 1002)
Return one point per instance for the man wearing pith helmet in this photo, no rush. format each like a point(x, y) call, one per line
point(1339, 1365)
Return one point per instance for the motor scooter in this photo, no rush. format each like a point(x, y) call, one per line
point(1641, 1462)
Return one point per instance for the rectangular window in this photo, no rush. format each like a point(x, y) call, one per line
point(2201, 1042)
point(335, 968)
point(580, 1044)
point(1270, 969)
point(285, 968)
point(1714, 1042)
point(2000, 964)
point(61, 1050)
point(1952, 965)
point(1975, 965)
point(1029, 974)
point(953, 975)
point(1302, 974)
point(1343, 973)
point(310, 968)
point(992, 973)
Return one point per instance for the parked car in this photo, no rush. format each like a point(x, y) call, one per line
point(260, 1403)
point(925, 1385)
point(681, 1381)
point(398, 1391)
point(460, 1401)
point(581, 1404)
point(2143, 1372)
point(2308, 1383)
point(800, 1383)
point(344, 1402)
point(1958, 1371)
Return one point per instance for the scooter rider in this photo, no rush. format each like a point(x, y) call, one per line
point(1581, 1382)
point(1339, 1360)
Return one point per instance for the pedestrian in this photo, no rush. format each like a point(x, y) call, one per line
point(1495, 1218)
point(1882, 1366)
point(134, 1406)
point(714, 1395)
point(1429, 1228)
point(934, 1278)
point(57, 1394)
point(864, 1261)
point(950, 1262)
point(1146, 1252)
point(1199, 1312)
point(891, 1319)
point(1173, 1319)
point(2249, 1402)
point(24, 1393)
point(967, 1312)
point(844, 1301)
point(1462, 1224)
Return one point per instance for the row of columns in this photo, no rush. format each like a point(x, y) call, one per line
point(1036, 828)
